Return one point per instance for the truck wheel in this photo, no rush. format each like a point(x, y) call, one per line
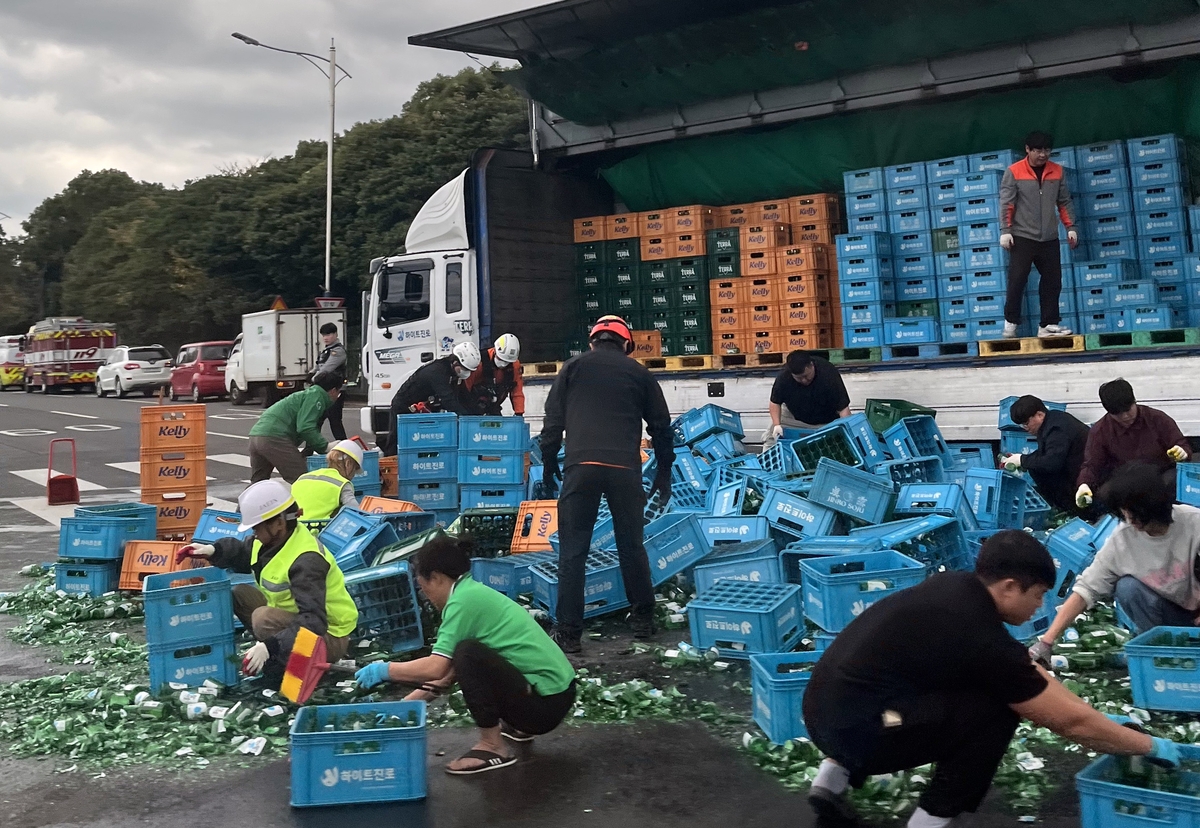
point(121, 392)
point(236, 395)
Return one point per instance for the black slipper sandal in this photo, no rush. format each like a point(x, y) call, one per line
point(514, 735)
point(491, 761)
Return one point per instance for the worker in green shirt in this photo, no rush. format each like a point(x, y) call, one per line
point(276, 437)
point(514, 679)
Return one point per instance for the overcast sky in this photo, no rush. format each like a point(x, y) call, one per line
point(159, 89)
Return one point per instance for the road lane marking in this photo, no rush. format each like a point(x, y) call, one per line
point(90, 428)
point(73, 414)
point(240, 415)
point(39, 476)
point(26, 432)
point(231, 436)
point(232, 459)
point(37, 506)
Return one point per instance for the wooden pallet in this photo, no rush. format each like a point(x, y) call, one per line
point(767, 360)
point(540, 369)
point(1142, 339)
point(936, 350)
point(1030, 346)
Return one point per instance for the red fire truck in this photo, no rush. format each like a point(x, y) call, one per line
point(65, 351)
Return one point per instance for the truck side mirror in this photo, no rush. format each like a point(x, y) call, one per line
point(377, 263)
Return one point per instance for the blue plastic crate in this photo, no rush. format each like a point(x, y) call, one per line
point(1037, 510)
point(973, 210)
point(732, 529)
point(1066, 157)
point(982, 329)
point(942, 194)
point(491, 496)
point(935, 540)
point(731, 471)
point(1165, 270)
point(1159, 197)
point(868, 202)
point(1111, 272)
point(1164, 676)
point(1104, 802)
point(912, 220)
point(978, 232)
point(985, 257)
point(492, 468)
point(913, 266)
point(493, 433)
point(354, 538)
point(1123, 248)
point(1158, 318)
point(945, 216)
point(1110, 227)
point(145, 513)
point(427, 464)
point(839, 588)
point(1162, 223)
point(1174, 295)
point(866, 313)
point(914, 470)
point(832, 440)
point(870, 223)
point(368, 473)
point(916, 499)
point(1005, 419)
point(858, 428)
point(917, 436)
point(755, 562)
point(777, 685)
point(912, 244)
point(431, 495)
point(510, 574)
point(910, 331)
point(1108, 203)
point(674, 542)
point(388, 610)
point(921, 289)
point(725, 498)
point(797, 514)
point(708, 419)
point(345, 767)
point(985, 281)
point(1032, 628)
point(944, 169)
point(858, 245)
point(779, 458)
point(978, 185)
point(720, 446)
point(858, 181)
point(86, 577)
point(997, 498)
point(1167, 246)
point(1155, 173)
point(859, 494)
point(179, 610)
point(1187, 483)
point(1106, 154)
point(1097, 322)
point(904, 175)
point(1131, 294)
point(347, 525)
point(866, 291)
point(947, 264)
point(426, 431)
point(985, 306)
point(863, 337)
point(603, 587)
point(740, 618)
point(193, 662)
point(822, 547)
point(690, 472)
point(999, 160)
point(95, 538)
point(1104, 179)
point(1156, 148)
point(407, 524)
point(857, 268)
point(215, 524)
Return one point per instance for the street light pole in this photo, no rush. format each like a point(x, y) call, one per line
point(334, 80)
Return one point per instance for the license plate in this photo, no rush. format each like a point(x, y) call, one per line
point(220, 369)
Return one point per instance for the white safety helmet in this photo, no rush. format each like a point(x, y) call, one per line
point(350, 449)
point(508, 350)
point(468, 354)
point(262, 501)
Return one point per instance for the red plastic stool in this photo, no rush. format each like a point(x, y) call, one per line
point(61, 489)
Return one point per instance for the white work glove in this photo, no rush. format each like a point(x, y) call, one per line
point(1083, 496)
point(1006, 240)
point(254, 659)
point(1177, 454)
point(1040, 651)
point(1011, 460)
point(1072, 239)
point(195, 550)
point(772, 434)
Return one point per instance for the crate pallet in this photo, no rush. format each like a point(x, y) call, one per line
point(937, 350)
point(1031, 346)
point(1164, 669)
point(839, 588)
point(540, 369)
point(777, 685)
point(740, 618)
point(349, 766)
point(1142, 339)
point(388, 611)
point(851, 356)
point(695, 362)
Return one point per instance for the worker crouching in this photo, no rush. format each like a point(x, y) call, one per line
point(320, 493)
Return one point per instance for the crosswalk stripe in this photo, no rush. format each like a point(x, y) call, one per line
point(232, 459)
point(231, 436)
point(39, 476)
point(223, 505)
point(37, 506)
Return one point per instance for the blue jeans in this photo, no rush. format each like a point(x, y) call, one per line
point(1147, 609)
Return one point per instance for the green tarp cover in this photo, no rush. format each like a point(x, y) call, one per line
point(810, 156)
point(801, 43)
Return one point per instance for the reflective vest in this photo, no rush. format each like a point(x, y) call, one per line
point(273, 581)
point(319, 493)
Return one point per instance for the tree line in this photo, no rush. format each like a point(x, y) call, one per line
point(171, 265)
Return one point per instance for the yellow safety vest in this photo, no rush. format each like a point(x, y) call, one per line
point(319, 493)
point(273, 581)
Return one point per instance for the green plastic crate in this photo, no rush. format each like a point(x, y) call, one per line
point(883, 414)
point(834, 444)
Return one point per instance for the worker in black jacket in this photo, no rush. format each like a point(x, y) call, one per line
point(433, 387)
point(332, 360)
point(601, 398)
point(1061, 440)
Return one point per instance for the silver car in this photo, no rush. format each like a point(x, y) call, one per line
point(144, 368)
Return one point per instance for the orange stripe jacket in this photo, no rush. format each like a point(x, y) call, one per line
point(1032, 209)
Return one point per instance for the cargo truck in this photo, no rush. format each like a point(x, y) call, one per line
point(276, 352)
point(64, 352)
point(492, 250)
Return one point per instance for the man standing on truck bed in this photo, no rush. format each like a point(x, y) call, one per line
point(332, 360)
point(601, 398)
point(275, 439)
point(1034, 197)
point(808, 393)
point(498, 378)
point(434, 386)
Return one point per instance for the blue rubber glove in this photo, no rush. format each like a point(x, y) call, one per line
point(1164, 753)
point(374, 673)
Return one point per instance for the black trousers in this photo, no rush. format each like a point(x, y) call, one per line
point(964, 735)
point(1024, 255)
point(577, 506)
point(334, 415)
point(494, 691)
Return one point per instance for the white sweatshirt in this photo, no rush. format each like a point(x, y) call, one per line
point(1166, 564)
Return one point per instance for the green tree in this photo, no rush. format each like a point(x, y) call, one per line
point(16, 289)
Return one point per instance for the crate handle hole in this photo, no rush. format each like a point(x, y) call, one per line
point(352, 748)
point(1140, 810)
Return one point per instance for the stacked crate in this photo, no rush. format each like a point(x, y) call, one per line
point(189, 630)
point(173, 466)
point(978, 298)
point(910, 221)
point(91, 545)
point(866, 286)
point(746, 310)
point(817, 219)
point(491, 461)
point(367, 483)
point(427, 462)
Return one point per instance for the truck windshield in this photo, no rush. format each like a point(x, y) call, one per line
point(8, 354)
point(214, 352)
point(147, 354)
point(404, 292)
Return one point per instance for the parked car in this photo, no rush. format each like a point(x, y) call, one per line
point(128, 368)
point(199, 370)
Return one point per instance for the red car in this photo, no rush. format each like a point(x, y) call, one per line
point(199, 371)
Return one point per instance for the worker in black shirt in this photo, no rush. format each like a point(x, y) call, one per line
point(332, 360)
point(808, 393)
point(601, 398)
point(931, 675)
point(1061, 440)
point(435, 386)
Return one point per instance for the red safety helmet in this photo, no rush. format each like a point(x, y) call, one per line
point(614, 325)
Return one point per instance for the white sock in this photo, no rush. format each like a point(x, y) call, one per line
point(923, 819)
point(832, 776)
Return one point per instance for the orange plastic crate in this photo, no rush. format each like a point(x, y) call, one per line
point(178, 509)
point(765, 237)
point(173, 468)
point(728, 292)
point(730, 319)
point(729, 342)
point(805, 258)
point(765, 317)
point(173, 427)
point(819, 207)
point(735, 215)
point(692, 220)
point(622, 226)
point(652, 223)
point(386, 505)
point(795, 287)
point(590, 229)
point(389, 477)
point(647, 344)
point(689, 245)
point(657, 247)
point(814, 312)
point(772, 212)
point(759, 263)
point(807, 338)
point(537, 520)
point(816, 232)
point(144, 558)
point(763, 290)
